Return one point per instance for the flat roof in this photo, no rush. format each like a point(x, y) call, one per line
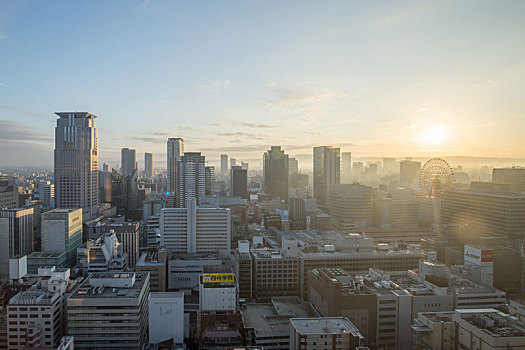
point(76, 114)
point(275, 316)
point(323, 325)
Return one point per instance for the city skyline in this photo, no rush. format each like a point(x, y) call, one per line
point(375, 79)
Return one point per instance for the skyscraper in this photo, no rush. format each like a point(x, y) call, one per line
point(239, 182)
point(327, 171)
point(224, 164)
point(76, 162)
point(209, 180)
point(148, 165)
point(346, 167)
point(192, 179)
point(293, 166)
point(409, 172)
point(16, 235)
point(47, 194)
point(128, 161)
point(275, 169)
point(175, 151)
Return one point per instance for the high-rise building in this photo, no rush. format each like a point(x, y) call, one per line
point(275, 168)
point(76, 162)
point(127, 234)
point(128, 161)
point(409, 172)
point(513, 176)
point(62, 233)
point(297, 213)
point(47, 194)
point(239, 182)
point(351, 206)
point(390, 166)
point(8, 193)
point(233, 162)
point(175, 151)
point(209, 180)
point(346, 167)
point(293, 166)
point(16, 235)
point(327, 171)
point(148, 165)
point(192, 179)
point(196, 230)
point(224, 164)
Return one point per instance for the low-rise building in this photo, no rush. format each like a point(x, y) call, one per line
point(336, 333)
point(154, 261)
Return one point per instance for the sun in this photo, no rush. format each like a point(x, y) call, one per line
point(433, 136)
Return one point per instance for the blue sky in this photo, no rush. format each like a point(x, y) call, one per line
point(399, 78)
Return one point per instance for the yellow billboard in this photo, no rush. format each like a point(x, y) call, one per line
point(218, 277)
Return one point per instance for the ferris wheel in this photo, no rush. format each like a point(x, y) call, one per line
point(436, 175)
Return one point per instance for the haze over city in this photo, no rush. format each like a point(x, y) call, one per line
point(398, 79)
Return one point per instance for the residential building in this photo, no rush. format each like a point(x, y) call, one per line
point(148, 165)
point(76, 162)
point(175, 150)
point(191, 178)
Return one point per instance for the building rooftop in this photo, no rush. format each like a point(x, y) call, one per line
point(274, 317)
point(76, 114)
point(493, 322)
point(46, 255)
point(111, 285)
point(34, 296)
point(324, 325)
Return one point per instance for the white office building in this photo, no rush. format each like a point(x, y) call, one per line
point(196, 230)
point(166, 317)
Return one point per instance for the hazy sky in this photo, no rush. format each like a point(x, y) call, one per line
point(378, 78)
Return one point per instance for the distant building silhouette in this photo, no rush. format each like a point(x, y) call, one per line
point(275, 168)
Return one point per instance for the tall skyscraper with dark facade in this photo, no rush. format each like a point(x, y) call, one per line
point(327, 171)
point(76, 162)
point(174, 153)
point(209, 180)
point(239, 182)
point(224, 164)
point(128, 161)
point(148, 165)
point(192, 179)
point(275, 168)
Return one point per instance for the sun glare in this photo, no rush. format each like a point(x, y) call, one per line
point(433, 136)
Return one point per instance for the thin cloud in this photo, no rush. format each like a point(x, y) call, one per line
point(25, 112)
point(11, 130)
point(253, 125)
